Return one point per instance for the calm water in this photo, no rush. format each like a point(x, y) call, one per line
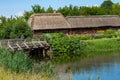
point(105, 67)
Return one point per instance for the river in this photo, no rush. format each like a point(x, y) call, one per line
point(102, 67)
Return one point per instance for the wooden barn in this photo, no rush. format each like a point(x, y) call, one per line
point(48, 23)
point(56, 22)
point(91, 24)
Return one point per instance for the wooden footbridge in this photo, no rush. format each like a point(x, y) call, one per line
point(27, 45)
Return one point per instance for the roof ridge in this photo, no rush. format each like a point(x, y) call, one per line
point(46, 14)
point(93, 16)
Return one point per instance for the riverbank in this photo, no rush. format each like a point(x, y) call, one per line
point(65, 49)
point(92, 48)
point(104, 44)
point(72, 48)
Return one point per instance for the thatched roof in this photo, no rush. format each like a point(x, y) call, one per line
point(93, 21)
point(46, 21)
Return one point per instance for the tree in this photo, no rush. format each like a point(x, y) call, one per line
point(107, 5)
point(64, 11)
point(35, 9)
point(50, 10)
point(85, 10)
point(21, 29)
point(2, 19)
point(15, 28)
point(27, 14)
point(76, 11)
point(116, 9)
point(69, 10)
point(94, 10)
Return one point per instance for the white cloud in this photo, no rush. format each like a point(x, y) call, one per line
point(19, 13)
point(94, 5)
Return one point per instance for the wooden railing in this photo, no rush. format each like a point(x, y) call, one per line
point(23, 44)
point(29, 46)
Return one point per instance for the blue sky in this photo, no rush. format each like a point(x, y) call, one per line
point(17, 7)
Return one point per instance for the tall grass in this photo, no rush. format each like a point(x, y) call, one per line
point(108, 44)
point(18, 61)
point(19, 66)
point(7, 75)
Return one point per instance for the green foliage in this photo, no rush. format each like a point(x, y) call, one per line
point(66, 48)
point(109, 33)
point(18, 62)
point(65, 11)
point(27, 14)
point(104, 34)
point(94, 10)
point(48, 36)
point(98, 36)
point(107, 5)
point(44, 68)
point(116, 9)
point(2, 21)
point(35, 9)
point(50, 10)
point(15, 28)
point(106, 8)
point(117, 33)
point(76, 11)
point(106, 44)
point(85, 36)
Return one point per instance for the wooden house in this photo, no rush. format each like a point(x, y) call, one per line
point(48, 23)
point(56, 22)
point(91, 24)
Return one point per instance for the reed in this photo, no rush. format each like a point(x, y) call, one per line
point(7, 75)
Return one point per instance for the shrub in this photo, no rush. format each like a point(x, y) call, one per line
point(99, 35)
point(15, 28)
point(66, 48)
point(85, 36)
point(109, 33)
point(48, 36)
point(117, 33)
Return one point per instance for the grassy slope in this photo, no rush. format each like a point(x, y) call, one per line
point(106, 44)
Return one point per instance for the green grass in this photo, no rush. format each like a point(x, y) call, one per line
point(106, 44)
point(7, 75)
point(17, 62)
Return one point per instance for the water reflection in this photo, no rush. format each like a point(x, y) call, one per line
point(105, 67)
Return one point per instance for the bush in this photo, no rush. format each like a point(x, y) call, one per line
point(85, 36)
point(48, 36)
point(109, 33)
point(99, 35)
point(15, 28)
point(66, 48)
point(118, 33)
